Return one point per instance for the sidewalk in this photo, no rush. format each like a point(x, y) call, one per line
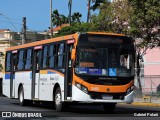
point(138, 101)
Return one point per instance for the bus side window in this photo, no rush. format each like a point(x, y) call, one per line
point(52, 52)
point(21, 60)
point(14, 61)
point(8, 62)
point(28, 62)
point(44, 57)
point(61, 55)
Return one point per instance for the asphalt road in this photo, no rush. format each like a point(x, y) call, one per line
point(80, 112)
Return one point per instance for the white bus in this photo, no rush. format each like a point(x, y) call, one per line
point(88, 67)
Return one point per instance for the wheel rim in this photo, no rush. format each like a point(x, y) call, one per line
point(58, 99)
point(21, 97)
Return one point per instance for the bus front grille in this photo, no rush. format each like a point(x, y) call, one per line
point(116, 96)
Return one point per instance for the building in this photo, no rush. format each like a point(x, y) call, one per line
point(150, 71)
point(58, 28)
point(151, 80)
point(4, 43)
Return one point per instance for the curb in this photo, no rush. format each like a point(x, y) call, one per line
point(143, 104)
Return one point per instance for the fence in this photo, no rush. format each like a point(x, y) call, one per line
point(150, 85)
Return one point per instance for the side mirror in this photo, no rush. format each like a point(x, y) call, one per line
point(73, 54)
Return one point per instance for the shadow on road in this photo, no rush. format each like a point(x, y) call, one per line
point(78, 110)
point(93, 109)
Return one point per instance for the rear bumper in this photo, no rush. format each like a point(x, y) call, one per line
point(80, 96)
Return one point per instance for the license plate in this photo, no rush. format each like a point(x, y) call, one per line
point(107, 97)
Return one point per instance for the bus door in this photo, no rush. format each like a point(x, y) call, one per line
point(12, 74)
point(35, 71)
point(68, 71)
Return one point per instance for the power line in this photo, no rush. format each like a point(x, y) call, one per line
point(11, 18)
point(9, 21)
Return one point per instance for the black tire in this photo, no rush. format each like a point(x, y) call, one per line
point(22, 101)
point(59, 105)
point(109, 107)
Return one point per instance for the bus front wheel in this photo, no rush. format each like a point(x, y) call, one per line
point(59, 105)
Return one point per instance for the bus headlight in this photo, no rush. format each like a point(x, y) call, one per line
point(81, 87)
point(129, 90)
point(84, 89)
point(78, 85)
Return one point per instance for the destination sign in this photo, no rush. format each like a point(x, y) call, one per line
point(104, 39)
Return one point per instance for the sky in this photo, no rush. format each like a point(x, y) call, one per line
point(37, 13)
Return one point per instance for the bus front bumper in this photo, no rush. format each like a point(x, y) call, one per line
point(80, 96)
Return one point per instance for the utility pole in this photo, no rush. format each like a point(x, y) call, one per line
point(70, 10)
point(51, 27)
point(24, 30)
point(88, 15)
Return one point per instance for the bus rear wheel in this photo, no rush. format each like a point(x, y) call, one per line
point(59, 105)
point(22, 101)
point(109, 107)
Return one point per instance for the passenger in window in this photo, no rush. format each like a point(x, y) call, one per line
point(123, 60)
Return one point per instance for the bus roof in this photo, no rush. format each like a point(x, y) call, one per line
point(36, 43)
point(105, 33)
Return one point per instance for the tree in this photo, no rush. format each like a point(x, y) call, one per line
point(121, 14)
point(145, 24)
point(78, 27)
point(113, 17)
point(64, 19)
point(76, 18)
point(97, 3)
point(145, 21)
point(58, 19)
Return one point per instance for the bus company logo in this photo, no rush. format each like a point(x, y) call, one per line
point(108, 89)
point(6, 114)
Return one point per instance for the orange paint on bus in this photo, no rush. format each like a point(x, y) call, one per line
point(103, 88)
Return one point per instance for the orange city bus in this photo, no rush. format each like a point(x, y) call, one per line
point(90, 67)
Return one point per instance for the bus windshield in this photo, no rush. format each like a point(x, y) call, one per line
point(107, 61)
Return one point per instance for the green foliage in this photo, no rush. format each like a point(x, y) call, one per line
point(58, 19)
point(145, 21)
point(138, 18)
point(76, 18)
point(112, 17)
point(96, 4)
point(79, 27)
